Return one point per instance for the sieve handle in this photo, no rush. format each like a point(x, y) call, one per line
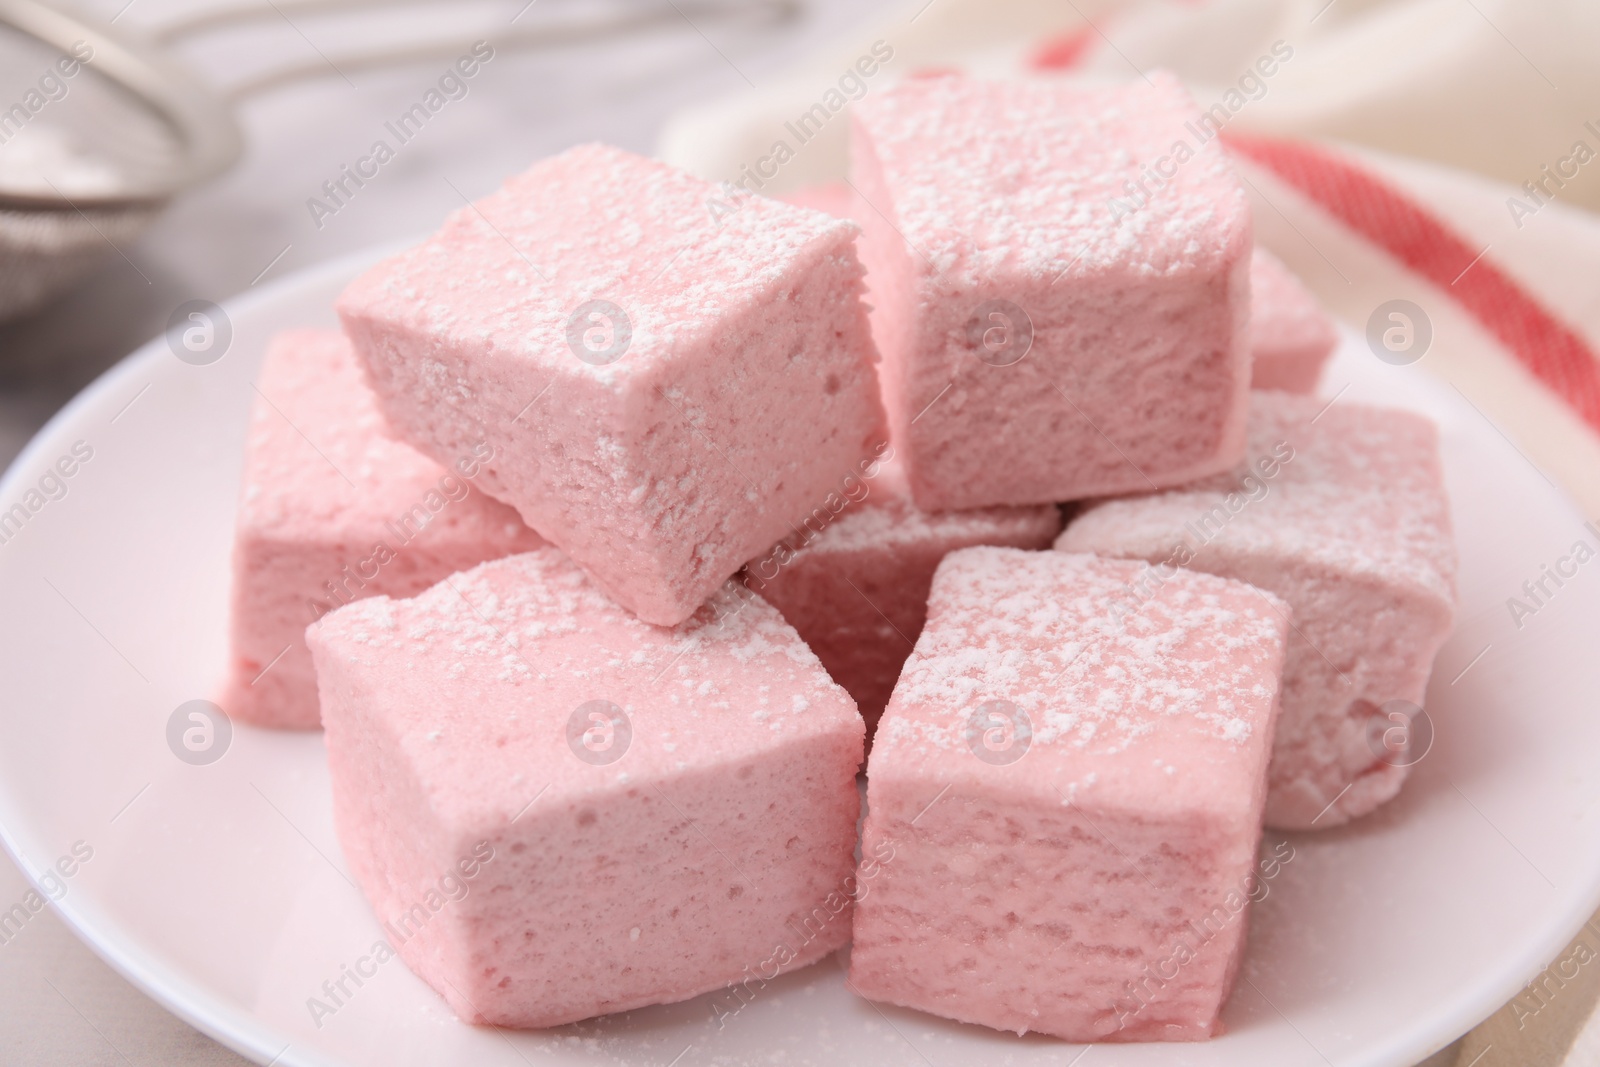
point(571, 31)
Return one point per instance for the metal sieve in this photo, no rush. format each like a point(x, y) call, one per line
point(98, 130)
point(90, 151)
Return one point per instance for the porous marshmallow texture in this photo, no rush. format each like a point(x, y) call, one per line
point(1291, 336)
point(334, 509)
point(1064, 799)
point(671, 372)
point(1340, 510)
point(655, 812)
point(1060, 286)
point(855, 582)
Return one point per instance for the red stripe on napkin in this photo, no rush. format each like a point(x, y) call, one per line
point(1388, 218)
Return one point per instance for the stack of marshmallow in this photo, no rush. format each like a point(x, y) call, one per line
point(628, 509)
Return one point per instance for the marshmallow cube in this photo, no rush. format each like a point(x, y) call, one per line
point(664, 811)
point(334, 509)
point(1060, 284)
point(1291, 336)
point(1064, 797)
point(1341, 511)
point(671, 373)
point(856, 585)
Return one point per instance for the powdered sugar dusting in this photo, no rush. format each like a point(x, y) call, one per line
point(1056, 635)
point(322, 465)
point(1021, 176)
point(1363, 496)
point(538, 626)
point(674, 252)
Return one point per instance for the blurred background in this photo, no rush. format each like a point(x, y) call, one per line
point(202, 149)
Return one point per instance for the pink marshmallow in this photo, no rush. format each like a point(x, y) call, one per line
point(830, 198)
point(1291, 336)
point(333, 509)
point(671, 373)
point(1064, 799)
point(855, 584)
point(1060, 293)
point(1340, 510)
point(655, 812)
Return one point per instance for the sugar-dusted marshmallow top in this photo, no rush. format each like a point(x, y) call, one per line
point(321, 462)
point(482, 673)
point(1160, 696)
point(1356, 489)
point(675, 253)
point(1025, 177)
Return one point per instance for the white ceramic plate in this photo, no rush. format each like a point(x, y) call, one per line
point(220, 888)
